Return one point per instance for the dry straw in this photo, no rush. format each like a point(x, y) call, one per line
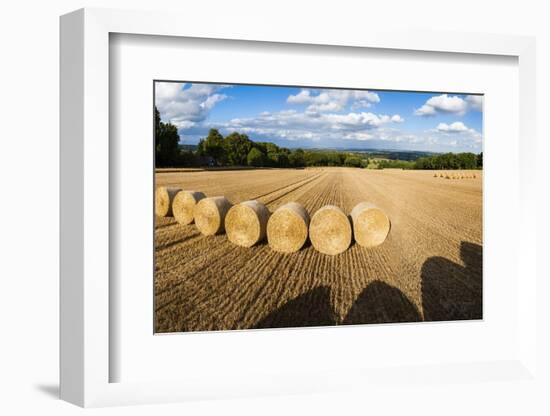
point(330, 230)
point(164, 196)
point(370, 224)
point(184, 205)
point(246, 223)
point(210, 214)
point(287, 228)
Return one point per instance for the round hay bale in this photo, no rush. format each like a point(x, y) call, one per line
point(371, 225)
point(287, 228)
point(164, 196)
point(330, 230)
point(209, 214)
point(246, 223)
point(184, 205)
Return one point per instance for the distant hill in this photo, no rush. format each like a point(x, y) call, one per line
point(408, 155)
point(191, 147)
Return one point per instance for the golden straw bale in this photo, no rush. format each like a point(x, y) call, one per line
point(370, 224)
point(246, 223)
point(210, 214)
point(184, 205)
point(330, 230)
point(287, 228)
point(164, 196)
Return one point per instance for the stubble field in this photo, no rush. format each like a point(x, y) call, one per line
point(429, 268)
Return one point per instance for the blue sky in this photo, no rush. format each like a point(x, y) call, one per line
point(325, 118)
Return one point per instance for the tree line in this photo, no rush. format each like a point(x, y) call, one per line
point(464, 160)
point(237, 149)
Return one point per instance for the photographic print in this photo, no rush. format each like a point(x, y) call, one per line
point(297, 206)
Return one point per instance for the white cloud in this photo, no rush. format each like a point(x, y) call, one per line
point(333, 100)
point(311, 126)
point(443, 104)
point(186, 106)
point(475, 102)
point(456, 127)
point(447, 104)
point(425, 110)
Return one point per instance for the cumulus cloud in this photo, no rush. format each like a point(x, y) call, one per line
point(293, 125)
point(186, 105)
point(459, 128)
point(333, 100)
point(447, 104)
point(456, 127)
point(443, 104)
point(475, 102)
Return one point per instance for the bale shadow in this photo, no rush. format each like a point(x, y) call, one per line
point(380, 303)
point(312, 308)
point(451, 291)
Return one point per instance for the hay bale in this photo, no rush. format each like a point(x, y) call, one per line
point(209, 214)
point(371, 225)
point(164, 197)
point(287, 228)
point(184, 205)
point(246, 223)
point(330, 230)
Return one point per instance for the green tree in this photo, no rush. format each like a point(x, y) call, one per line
point(479, 160)
point(166, 142)
point(352, 161)
point(213, 146)
point(297, 158)
point(255, 157)
point(237, 146)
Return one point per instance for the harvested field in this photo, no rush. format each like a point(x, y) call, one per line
point(428, 268)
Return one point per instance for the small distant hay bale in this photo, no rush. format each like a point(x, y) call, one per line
point(371, 225)
point(183, 206)
point(246, 223)
point(164, 197)
point(209, 214)
point(330, 230)
point(287, 228)
point(474, 175)
point(447, 176)
point(435, 175)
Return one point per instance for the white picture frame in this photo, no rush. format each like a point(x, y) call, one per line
point(85, 165)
